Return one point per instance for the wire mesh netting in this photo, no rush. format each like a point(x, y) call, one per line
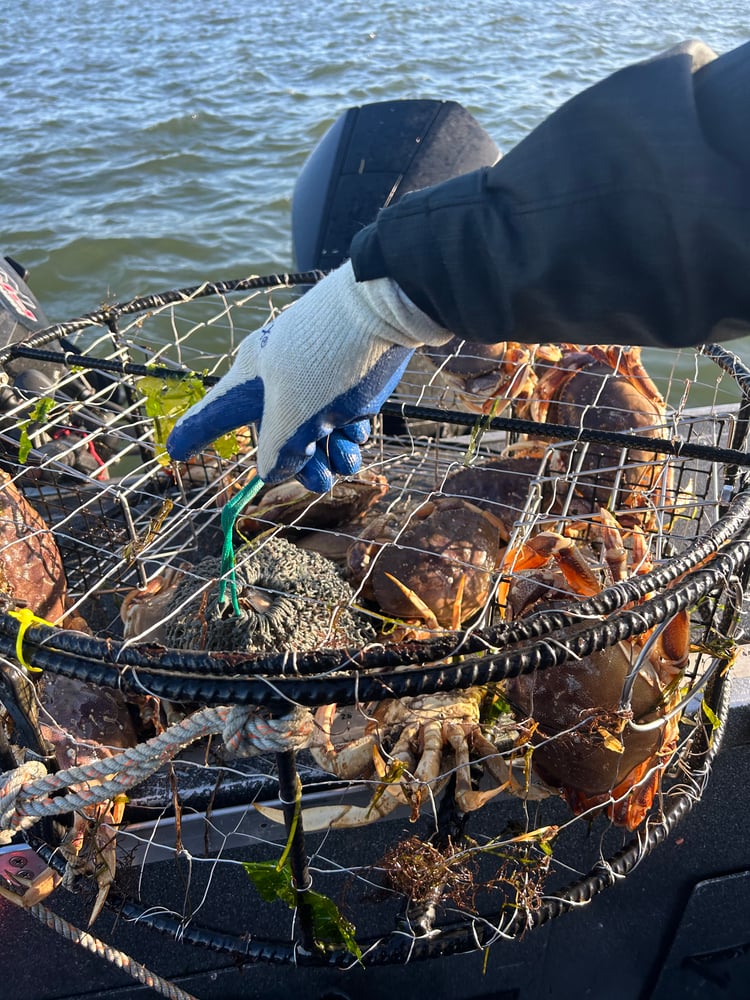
point(501, 648)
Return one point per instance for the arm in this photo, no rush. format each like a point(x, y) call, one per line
point(624, 217)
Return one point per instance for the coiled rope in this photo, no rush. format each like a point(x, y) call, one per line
point(28, 793)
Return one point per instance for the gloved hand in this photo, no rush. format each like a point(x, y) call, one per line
point(311, 378)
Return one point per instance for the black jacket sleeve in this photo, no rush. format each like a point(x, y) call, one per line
point(622, 218)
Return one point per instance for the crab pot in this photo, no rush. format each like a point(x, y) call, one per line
point(496, 660)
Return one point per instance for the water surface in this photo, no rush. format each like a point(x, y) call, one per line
point(148, 146)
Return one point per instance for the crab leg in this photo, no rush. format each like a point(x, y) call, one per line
point(421, 609)
point(95, 830)
point(628, 364)
point(339, 817)
point(360, 757)
point(551, 545)
point(357, 760)
point(467, 798)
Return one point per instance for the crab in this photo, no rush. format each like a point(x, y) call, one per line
point(438, 570)
point(32, 572)
point(605, 388)
point(79, 721)
point(83, 723)
point(611, 379)
point(430, 737)
point(290, 503)
point(488, 377)
point(143, 609)
point(606, 723)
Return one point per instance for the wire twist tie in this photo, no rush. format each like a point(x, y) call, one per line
point(26, 618)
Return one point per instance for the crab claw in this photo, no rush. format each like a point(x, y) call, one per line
point(90, 848)
point(673, 648)
point(336, 817)
point(106, 866)
point(538, 551)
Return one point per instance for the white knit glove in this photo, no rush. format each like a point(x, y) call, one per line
point(312, 377)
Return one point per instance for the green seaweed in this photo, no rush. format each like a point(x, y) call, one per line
point(331, 929)
point(38, 414)
point(165, 400)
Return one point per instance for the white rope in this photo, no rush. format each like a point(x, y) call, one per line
point(109, 953)
point(28, 793)
point(13, 784)
point(247, 733)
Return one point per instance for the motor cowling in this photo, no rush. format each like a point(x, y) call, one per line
point(370, 158)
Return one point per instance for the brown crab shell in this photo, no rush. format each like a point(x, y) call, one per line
point(468, 361)
point(348, 500)
point(31, 567)
point(454, 546)
point(575, 706)
point(86, 721)
point(499, 485)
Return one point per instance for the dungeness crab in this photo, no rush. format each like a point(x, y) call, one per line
point(410, 748)
point(606, 723)
point(437, 571)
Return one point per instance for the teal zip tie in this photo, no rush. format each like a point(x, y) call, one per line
point(230, 513)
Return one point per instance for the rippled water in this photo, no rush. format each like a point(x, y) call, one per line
point(148, 146)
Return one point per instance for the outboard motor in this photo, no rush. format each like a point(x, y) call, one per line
point(20, 313)
point(369, 158)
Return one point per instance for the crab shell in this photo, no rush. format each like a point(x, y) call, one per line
point(31, 567)
point(87, 722)
point(605, 389)
point(291, 503)
point(81, 717)
point(469, 365)
point(500, 486)
point(446, 557)
point(586, 743)
point(584, 746)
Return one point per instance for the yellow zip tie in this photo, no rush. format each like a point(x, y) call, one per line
point(26, 618)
